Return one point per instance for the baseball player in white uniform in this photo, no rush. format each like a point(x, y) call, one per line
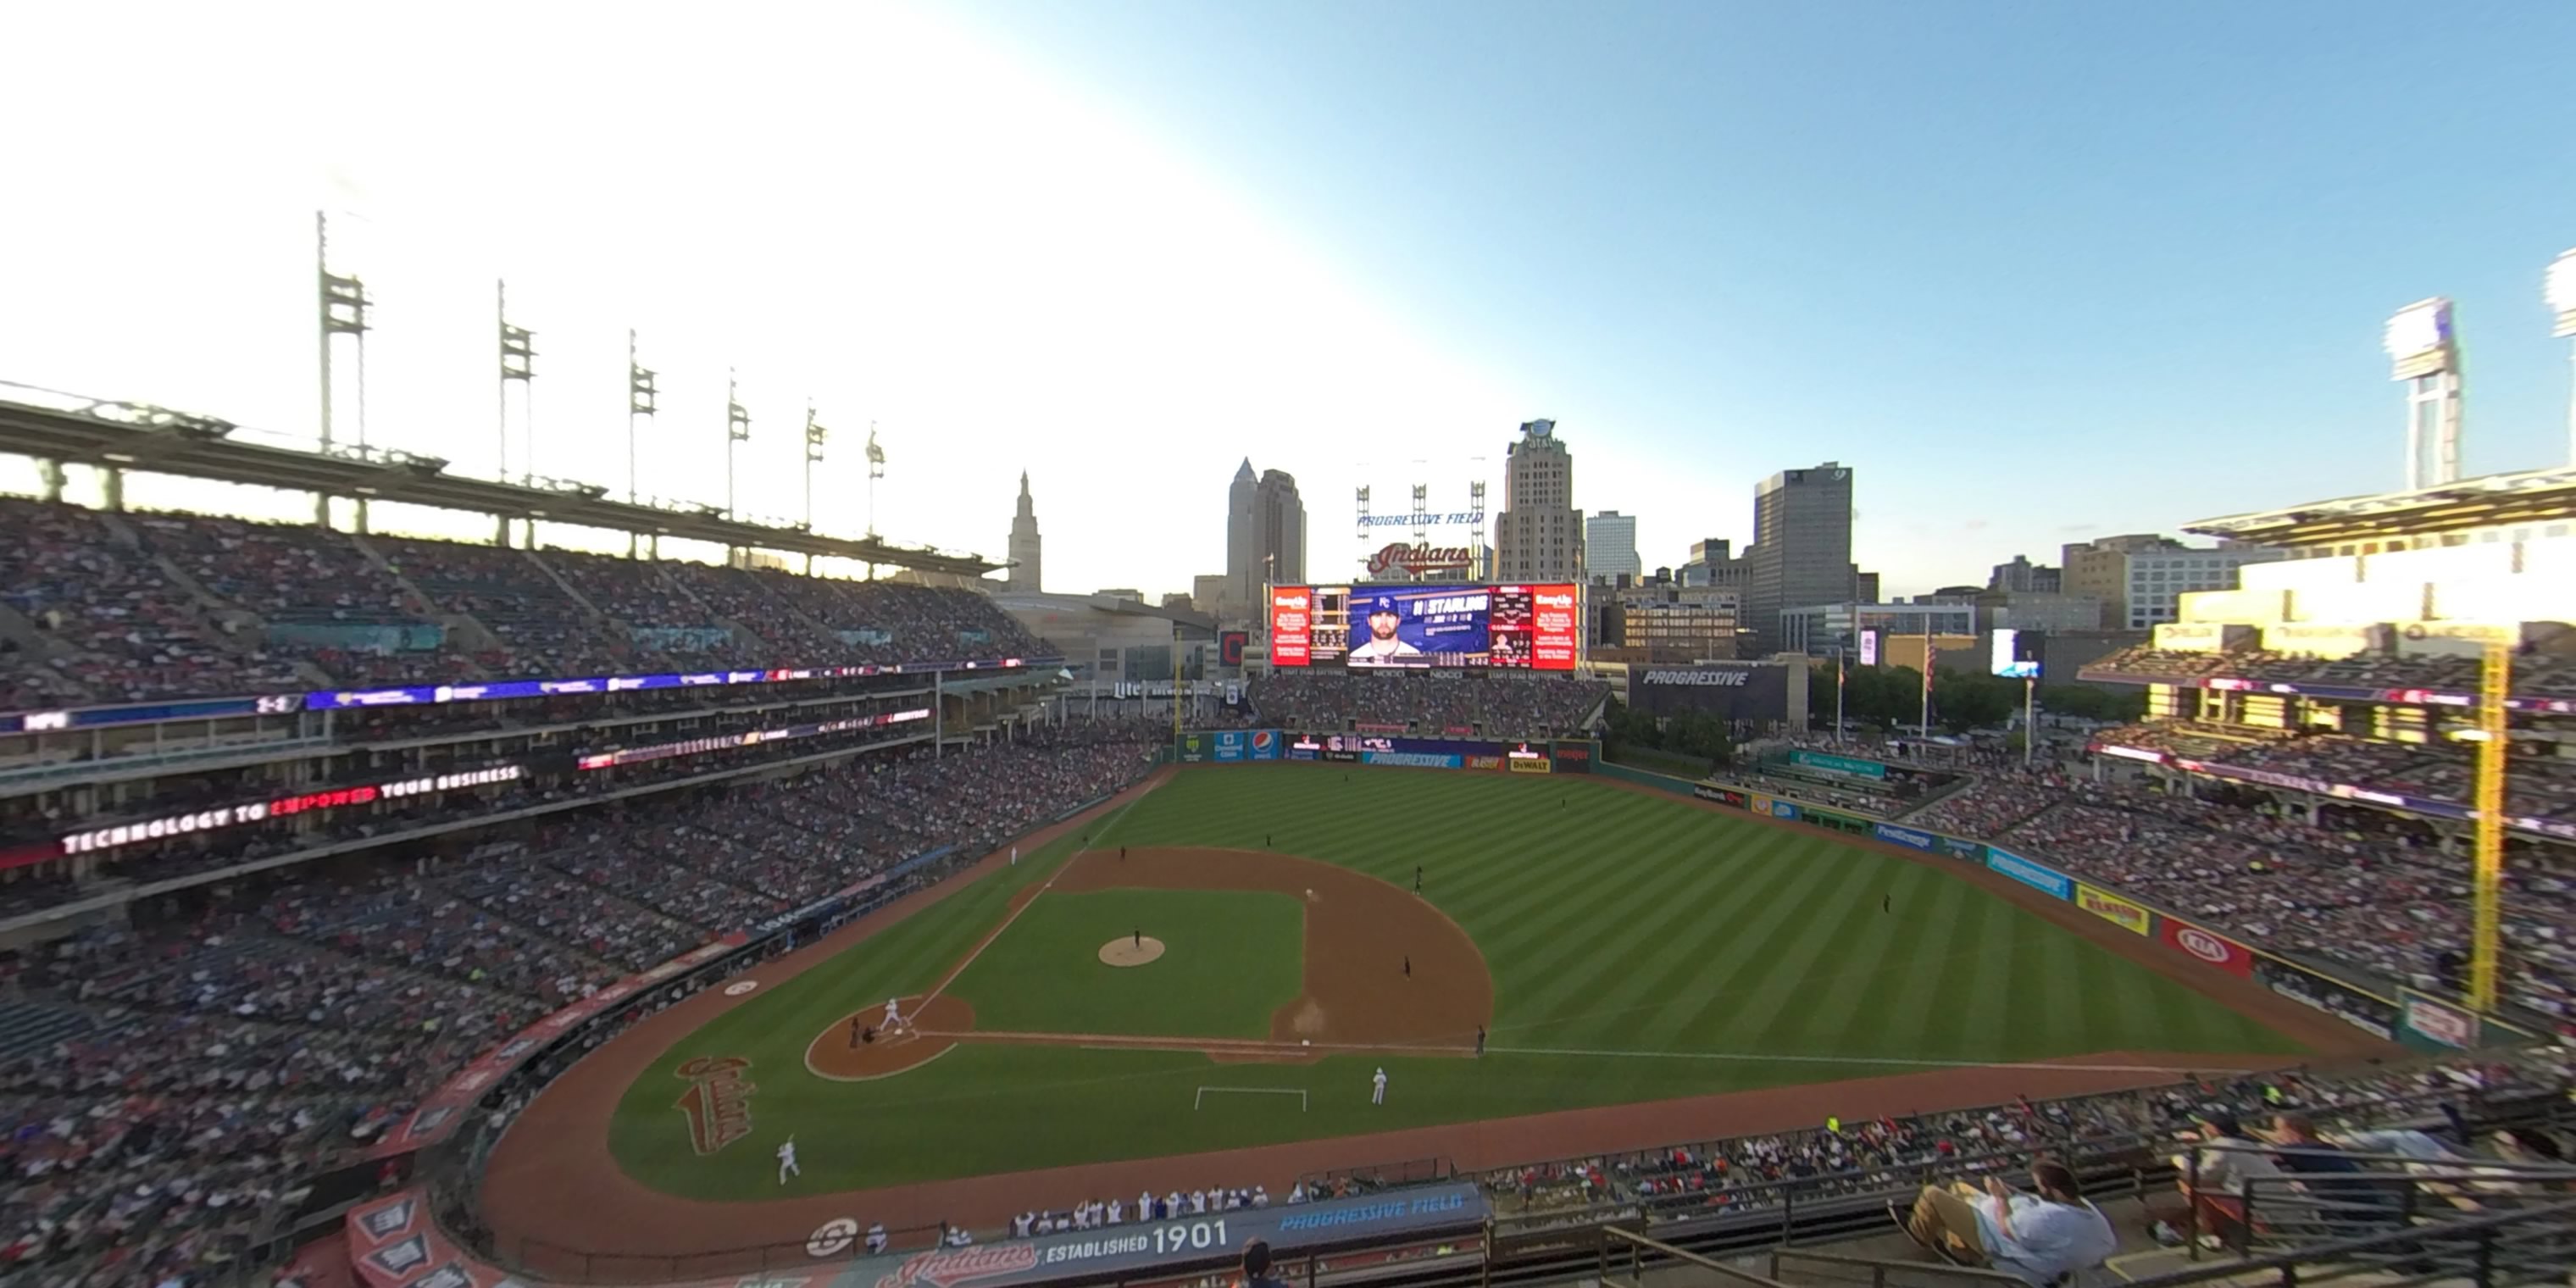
point(894, 1012)
point(1377, 1092)
point(787, 1161)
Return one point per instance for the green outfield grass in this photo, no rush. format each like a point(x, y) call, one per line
point(1641, 949)
point(1045, 975)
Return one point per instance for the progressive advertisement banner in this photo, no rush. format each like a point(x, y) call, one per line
point(1573, 757)
point(2114, 909)
point(2216, 949)
point(1910, 838)
point(1413, 759)
point(1727, 690)
point(2046, 880)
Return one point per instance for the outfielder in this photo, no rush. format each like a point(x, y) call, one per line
point(787, 1161)
point(1377, 1093)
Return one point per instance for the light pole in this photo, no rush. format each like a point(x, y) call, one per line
point(2560, 289)
point(1838, 690)
point(2424, 352)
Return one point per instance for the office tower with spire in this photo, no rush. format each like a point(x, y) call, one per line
point(1265, 534)
point(1024, 573)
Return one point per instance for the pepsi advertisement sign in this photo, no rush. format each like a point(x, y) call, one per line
point(1234, 746)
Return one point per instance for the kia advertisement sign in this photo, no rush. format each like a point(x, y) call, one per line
point(1434, 628)
point(2215, 949)
point(1726, 690)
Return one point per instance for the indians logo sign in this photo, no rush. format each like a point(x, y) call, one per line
point(718, 1101)
point(948, 1267)
point(1417, 559)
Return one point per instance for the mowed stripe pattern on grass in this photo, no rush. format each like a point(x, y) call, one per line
point(1617, 921)
point(1729, 954)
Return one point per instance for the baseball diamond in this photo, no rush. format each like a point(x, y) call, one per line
point(1640, 967)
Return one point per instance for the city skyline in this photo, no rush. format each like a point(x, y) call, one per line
point(2223, 189)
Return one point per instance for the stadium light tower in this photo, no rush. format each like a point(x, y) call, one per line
point(737, 430)
point(2425, 353)
point(2560, 289)
point(815, 437)
point(518, 363)
point(641, 400)
point(876, 470)
point(341, 309)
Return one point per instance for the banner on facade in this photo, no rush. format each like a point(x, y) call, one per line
point(2209, 946)
point(2046, 880)
point(2114, 909)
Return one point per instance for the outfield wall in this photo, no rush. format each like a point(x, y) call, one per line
point(2383, 1011)
point(1515, 756)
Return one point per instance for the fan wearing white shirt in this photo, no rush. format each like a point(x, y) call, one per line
point(2039, 1239)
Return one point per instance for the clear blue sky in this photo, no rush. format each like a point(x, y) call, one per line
point(2039, 271)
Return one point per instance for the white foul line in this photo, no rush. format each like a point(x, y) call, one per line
point(933, 995)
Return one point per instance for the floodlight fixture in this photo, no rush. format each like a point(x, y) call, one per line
point(2559, 288)
point(2419, 339)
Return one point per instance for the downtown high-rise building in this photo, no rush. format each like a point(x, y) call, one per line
point(1539, 535)
point(1610, 548)
point(1801, 552)
point(1024, 542)
point(1265, 534)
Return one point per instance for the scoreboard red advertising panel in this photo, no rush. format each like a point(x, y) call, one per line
point(1402, 625)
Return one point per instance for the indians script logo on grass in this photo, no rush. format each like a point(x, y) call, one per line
point(718, 1102)
point(948, 1267)
point(2202, 944)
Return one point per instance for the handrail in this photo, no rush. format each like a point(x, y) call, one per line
point(1879, 1266)
point(1639, 1245)
point(2416, 1243)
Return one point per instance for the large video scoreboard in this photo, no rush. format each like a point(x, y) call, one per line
point(1405, 624)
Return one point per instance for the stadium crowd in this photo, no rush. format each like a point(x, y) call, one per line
point(134, 607)
point(2371, 890)
point(2536, 673)
point(161, 1083)
point(2442, 1103)
point(2539, 783)
point(1499, 706)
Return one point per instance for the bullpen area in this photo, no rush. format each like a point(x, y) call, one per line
point(1220, 963)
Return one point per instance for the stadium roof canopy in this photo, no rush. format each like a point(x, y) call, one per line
point(2495, 501)
point(115, 435)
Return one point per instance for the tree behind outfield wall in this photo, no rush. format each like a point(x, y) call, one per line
point(1692, 734)
point(1888, 696)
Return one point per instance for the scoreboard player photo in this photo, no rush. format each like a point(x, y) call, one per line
point(1430, 626)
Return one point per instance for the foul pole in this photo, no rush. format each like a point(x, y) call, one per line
point(2495, 681)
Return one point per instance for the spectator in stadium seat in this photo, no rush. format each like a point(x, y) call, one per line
point(2040, 1239)
point(1256, 1266)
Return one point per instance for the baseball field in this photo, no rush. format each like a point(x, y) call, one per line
point(1223, 959)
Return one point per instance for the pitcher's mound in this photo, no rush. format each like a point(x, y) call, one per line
point(1127, 952)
